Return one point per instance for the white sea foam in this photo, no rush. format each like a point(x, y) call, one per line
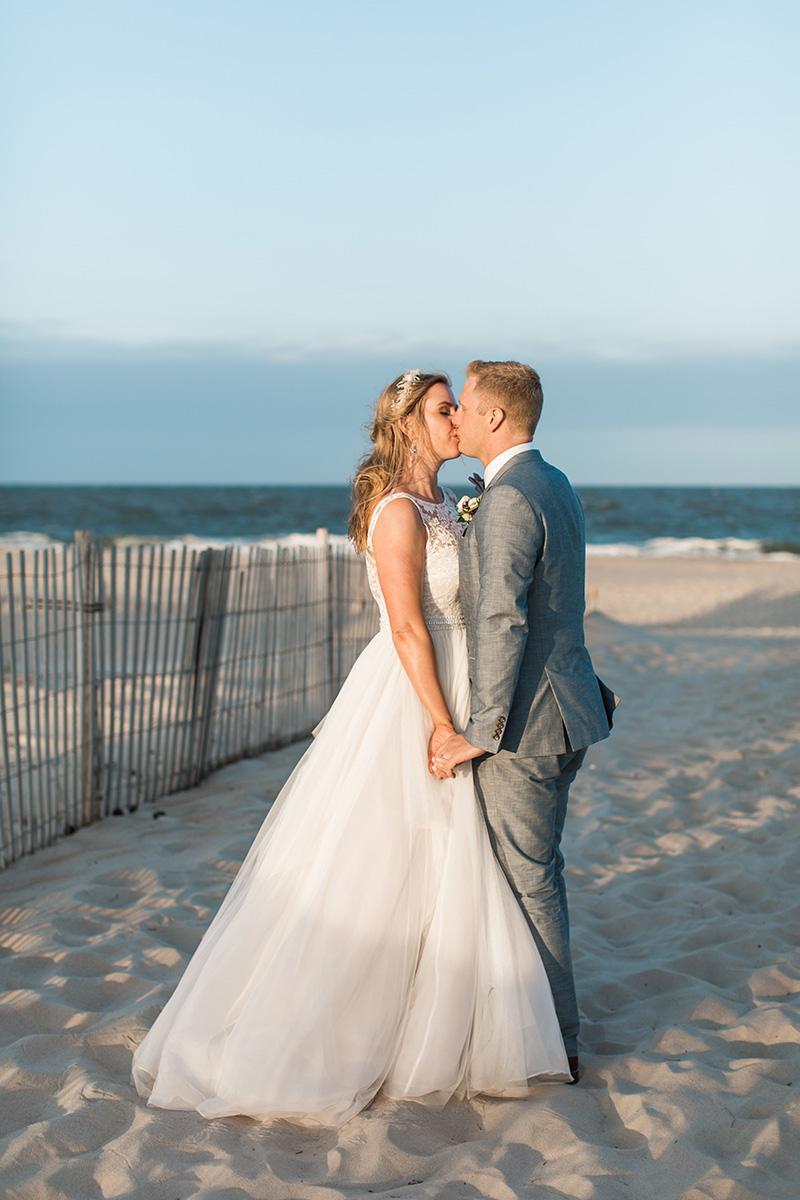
point(41, 541)
point(21, 540)
point(736, 549)
point(190, 540)
point(693, 547)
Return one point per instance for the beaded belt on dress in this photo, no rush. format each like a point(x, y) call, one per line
point(442, 622)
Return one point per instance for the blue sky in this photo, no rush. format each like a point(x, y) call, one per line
point(225, 225)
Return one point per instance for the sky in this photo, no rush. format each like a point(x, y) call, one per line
point(225, 225)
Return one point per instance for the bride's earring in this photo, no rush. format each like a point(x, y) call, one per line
point(412, 451)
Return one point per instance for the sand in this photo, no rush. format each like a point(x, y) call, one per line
point(682, 850)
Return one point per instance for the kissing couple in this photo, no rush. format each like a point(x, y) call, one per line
point(400, 923)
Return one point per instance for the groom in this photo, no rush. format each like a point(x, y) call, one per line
point(536, 701)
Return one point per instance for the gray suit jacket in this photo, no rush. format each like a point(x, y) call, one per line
point(522, 571)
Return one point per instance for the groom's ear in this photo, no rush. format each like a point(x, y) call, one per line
point(496, 418)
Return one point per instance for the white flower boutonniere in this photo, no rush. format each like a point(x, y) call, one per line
point(468, 505)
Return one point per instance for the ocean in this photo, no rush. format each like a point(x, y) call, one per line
point(716, 522)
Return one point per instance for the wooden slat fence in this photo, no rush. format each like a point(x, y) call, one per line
point(129, 672)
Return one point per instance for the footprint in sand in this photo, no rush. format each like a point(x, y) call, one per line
point(105, 896)
point(75, 929)
point(113, 992)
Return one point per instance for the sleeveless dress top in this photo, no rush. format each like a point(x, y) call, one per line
point(440, 603)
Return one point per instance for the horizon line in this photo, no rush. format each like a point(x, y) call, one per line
point(347, 483)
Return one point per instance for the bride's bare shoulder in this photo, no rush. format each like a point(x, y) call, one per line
point(396, 524)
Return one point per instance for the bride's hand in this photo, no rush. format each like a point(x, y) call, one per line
point(441, 733)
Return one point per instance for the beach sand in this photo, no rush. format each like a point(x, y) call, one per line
point(683, 872)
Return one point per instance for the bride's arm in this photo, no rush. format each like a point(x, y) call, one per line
point(398, 545)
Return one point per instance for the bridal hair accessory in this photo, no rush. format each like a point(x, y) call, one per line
point(405, 385)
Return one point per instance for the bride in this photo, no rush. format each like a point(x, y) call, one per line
point(370, 941)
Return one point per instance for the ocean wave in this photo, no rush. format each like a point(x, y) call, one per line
point(22, 540)
point(736, 549)
point(195, 542)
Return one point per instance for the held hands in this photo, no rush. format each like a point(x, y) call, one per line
point(442, 733)
point(446, 750)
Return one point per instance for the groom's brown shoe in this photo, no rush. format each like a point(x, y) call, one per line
point(575, 1069)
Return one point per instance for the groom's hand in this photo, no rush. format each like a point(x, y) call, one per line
point(456, 749)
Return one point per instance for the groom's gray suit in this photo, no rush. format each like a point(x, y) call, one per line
point(536, 701)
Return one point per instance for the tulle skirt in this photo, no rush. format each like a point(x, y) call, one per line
point(370, 940)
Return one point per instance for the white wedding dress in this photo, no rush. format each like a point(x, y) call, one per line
point(370, 940)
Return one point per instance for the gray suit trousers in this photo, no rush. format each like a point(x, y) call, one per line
point(524, 801)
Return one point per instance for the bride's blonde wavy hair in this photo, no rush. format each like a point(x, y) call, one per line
point(382, 468)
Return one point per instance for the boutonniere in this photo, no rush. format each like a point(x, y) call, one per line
point(468, 505)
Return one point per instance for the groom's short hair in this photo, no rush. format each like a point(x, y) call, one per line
point(515, 387)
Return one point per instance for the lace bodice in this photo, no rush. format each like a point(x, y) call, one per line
point(440, 603)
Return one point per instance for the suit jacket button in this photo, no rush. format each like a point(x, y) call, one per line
point(497, 737)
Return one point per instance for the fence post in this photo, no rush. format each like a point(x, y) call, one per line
point(91, 722)
point(325, 592)
point(215, 572)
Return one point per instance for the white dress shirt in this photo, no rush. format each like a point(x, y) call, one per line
point(501, 459)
